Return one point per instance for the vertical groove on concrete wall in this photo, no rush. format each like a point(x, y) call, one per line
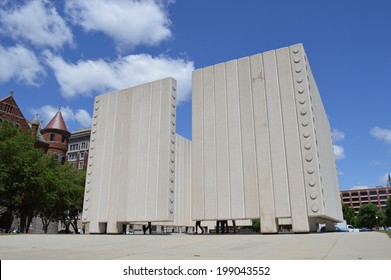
point(106, 164)
point(209, 150)
point(148, 96)
point(234, 137)
point(229, 188)
point(198, 193)
point(138, 92)
point(156, 110)
point(222, 161)
point(125, 106)
point(113, 172)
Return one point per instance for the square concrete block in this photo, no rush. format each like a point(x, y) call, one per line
point(261, 143)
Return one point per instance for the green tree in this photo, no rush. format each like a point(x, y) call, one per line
point(387, 212)
point(64, 194)
point(32, 183)
point(370, 216)
point(72, 182)
point(348, 214)
point(256, 225)
point(21, 169)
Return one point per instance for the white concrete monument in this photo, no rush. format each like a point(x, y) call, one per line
point(261, 144)
point(131, 167)
point(261, 148)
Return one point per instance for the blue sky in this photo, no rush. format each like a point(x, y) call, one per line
point(63, 53)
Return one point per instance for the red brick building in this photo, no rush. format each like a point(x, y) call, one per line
point(9, 110)
point(52, 139)
point(57, 136)
point(358, 197)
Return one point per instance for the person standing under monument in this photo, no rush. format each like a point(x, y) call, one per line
point(149, 228)
point(198, 225)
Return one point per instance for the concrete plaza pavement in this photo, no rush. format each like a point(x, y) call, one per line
point(315, 246)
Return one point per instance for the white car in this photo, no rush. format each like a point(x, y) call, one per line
point(353, 229)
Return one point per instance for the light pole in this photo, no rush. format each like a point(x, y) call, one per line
point(377, 222)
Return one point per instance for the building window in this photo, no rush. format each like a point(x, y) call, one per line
point(63, 139)
point(373, 193)
point(355, 199)
point(81, 165)
point(72, 157)
point(81, 156)
point(84, 146)
point(383, 192)
point(52, 136)
point(354, 193)
point(345, 194)
point(73, 147)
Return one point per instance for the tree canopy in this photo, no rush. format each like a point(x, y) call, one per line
point(348, 214)
point(387, 212)
point(32, 183)
point(370, 216)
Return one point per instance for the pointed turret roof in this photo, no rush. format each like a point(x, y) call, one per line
point(57, 122)
point(35, 120)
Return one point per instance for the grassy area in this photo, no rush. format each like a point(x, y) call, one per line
point(388, 232)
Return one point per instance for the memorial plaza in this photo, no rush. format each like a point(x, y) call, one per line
point(313, 246)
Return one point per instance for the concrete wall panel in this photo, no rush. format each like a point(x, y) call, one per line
point(130, 177)
point(309, 146)
point(222, 167)
point(210, 180)
point(250, 180)
point(265, 180)
point(197, 154)
point(261, 110)
point(277, 141)
point(234, 141)
point(292, 143)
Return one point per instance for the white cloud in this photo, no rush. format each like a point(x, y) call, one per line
point(128, 22)
point(47, 112)
point(337, 135)
point(37, 21)
point(83, 118)
point(382, 134)
point(339, 152)
point(21, 64)
point(375, 163)
point(100, 76)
